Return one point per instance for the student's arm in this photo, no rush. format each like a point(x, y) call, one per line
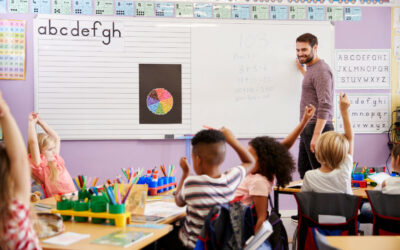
point(300, 67)
point(185, 169)
point(291, 138)
point(16, 151)
point(348, 131)
point(244, 155)
point(51, 132)
point(319, 126)
point(32, 139)
point(261, 205)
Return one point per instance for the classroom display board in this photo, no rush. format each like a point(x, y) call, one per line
point(142, 78)
point(369, 112)
point(237, 9)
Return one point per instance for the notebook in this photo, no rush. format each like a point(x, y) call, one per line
point(122, 238)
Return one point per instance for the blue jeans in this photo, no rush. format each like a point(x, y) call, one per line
point(307, 160)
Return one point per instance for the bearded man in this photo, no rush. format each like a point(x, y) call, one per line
point(317, 89)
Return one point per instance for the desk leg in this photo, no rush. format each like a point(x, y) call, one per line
point(276, 201)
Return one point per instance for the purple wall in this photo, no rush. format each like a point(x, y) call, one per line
point(105, 158)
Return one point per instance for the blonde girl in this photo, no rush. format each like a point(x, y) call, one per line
point(45, 160)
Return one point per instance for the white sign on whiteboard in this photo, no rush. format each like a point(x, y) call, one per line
point(369, 113)
point(363, 69)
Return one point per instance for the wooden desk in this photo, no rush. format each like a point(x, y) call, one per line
point(356, 191)
point(365, 242)
point(97, 231)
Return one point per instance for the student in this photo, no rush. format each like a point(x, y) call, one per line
point(273, 160)
point(44, 155)
point(389, 186)
point(392, 184)
point(335, 153)
point(16, 231)
point(209, 187)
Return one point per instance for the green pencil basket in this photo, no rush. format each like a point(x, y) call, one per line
point(84, 194)
point(98, 205)
point(116, 209)
point(64, 205)
point(81, 206)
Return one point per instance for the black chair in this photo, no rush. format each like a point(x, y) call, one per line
point(313, 206)
point(386, 212)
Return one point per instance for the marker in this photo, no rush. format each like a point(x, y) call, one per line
point(208, 127)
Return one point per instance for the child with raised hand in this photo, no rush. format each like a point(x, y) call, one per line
point(210, 187)
point(335, 153)
point(273, 160)
point(15, 226)
point(45, 160)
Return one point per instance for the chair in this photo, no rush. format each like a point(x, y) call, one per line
point(329, 213)
point(386, 212)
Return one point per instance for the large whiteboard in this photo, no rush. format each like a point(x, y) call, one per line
point(239, 74)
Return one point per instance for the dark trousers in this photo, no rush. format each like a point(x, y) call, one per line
point(307, 160)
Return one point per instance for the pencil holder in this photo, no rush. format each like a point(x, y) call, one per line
point(81, 206)
point(84, 194)
point(166, 182)
point(64, 205)
point(171, 179)
point(160, 184)
point(358, 176)
point(116, 209)
point(98, 205)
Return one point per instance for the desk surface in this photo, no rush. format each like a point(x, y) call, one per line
point(97, 231)
point(365, 242)
point(356, 191)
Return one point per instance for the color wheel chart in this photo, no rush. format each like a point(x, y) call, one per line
point(160, 101)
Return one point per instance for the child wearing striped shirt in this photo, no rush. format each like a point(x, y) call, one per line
point(209, 187)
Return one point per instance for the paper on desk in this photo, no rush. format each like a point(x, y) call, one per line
point(296, 184)
point(379, 177)
point(66, 239)
point(163, 209)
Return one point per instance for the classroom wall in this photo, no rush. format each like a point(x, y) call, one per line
point(105, 158)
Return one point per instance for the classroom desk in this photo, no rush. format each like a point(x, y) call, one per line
point(356, 191)
point(96, 231)
point(365, 242)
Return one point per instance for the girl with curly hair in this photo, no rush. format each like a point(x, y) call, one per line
point(273, 160)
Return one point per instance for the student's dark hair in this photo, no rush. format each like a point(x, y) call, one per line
point(308, 38)
point(396, 150)
point(274, 160)
point(210, 146)
point(208, 136)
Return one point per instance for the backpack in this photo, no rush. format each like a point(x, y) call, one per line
point(278, 239)
point(227, 226)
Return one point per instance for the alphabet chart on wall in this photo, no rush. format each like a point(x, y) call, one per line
point(363, 69)
point(12, 49)
point(369, 113)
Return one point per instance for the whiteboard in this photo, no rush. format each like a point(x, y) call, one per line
point(239, 74)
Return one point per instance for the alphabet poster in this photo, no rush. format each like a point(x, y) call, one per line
point(12, 49)
point(363, 69)
point(369, 113)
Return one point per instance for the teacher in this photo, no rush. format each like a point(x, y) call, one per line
point(317, 89)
